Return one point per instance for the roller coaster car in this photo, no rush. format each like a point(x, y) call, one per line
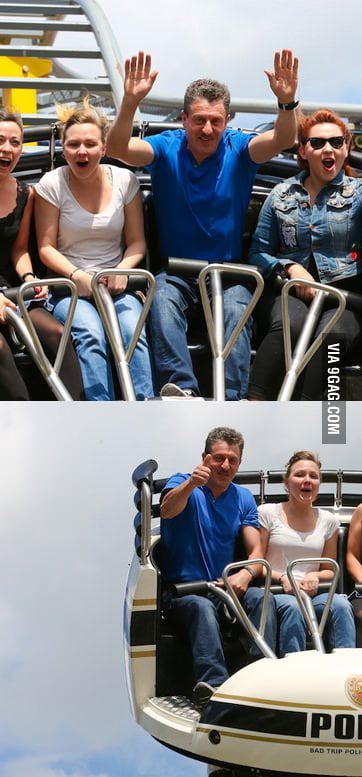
point(209, 368)
point(299, 715)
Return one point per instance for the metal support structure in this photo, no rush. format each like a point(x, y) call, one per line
point(217, 303)
point(215, 318)
point(30, 21)
point(233, 604)
point(35, 19)
point(108, 45)
point(27, 335)
point(146, 516)
point(107, 312)
point(91, 84)
point(48, 52)
point(351, 111)
point(305, 602)
point(296, 362)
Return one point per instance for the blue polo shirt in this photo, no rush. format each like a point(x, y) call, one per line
point(200, 208)
point(198, 543)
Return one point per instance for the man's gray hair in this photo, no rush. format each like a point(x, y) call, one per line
point(224, 434)
point(207, 89)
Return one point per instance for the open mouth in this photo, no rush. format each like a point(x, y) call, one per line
point(5, 162)
point(82, 164)
point(328, 163)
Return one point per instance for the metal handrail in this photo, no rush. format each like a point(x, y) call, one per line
point(215, 319)
point(107, 312)
point(233, 604)
point(256, 635)
point(305, 602)
point(27, 334)
point(146, 516)
point(296, 362)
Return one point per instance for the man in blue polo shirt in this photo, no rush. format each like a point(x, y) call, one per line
point(201, 516)
point(202, 177)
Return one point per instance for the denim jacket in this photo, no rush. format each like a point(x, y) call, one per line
point(290, 231)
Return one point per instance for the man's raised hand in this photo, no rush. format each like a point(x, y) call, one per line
point(138, 78)
point(284, 81)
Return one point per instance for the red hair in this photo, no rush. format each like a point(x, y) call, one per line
point(323, 116)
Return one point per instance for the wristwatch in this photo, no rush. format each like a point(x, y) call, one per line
point(288, 106)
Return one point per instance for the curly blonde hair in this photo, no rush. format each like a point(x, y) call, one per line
point(69, 115)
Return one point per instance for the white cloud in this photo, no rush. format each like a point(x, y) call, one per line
point(234, 42)
point(35, 766)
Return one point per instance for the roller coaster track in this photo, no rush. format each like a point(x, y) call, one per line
point(31, 60)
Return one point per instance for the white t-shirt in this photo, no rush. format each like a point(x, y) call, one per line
point(286, 544)
point(89, 240)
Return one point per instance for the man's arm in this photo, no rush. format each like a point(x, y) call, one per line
point(175, 500)
point(283, 82)
point(240, 581)
point(138, 81)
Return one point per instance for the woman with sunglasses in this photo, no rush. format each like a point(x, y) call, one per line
point(310, 227)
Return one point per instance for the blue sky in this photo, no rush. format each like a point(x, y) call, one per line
point(67, 541)
point(233, 42)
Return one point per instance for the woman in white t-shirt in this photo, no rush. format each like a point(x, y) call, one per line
point(89, 216)
point(295, 529)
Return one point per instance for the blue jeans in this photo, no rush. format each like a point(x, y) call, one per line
point(168, 326)
point(92, 348)
point(341, 631)
point(199, 616)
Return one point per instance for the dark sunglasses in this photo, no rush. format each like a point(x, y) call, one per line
point(318, 143)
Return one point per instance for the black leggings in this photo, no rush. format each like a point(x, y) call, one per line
point(49, 330)
point(268, 370)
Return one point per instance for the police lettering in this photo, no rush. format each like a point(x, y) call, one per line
point(343, 726)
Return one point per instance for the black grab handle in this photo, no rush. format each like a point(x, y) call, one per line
point(191, 268)
point(197, 587)
point(12, 293)
point(353, 300)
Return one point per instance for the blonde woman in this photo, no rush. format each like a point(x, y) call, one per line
point(89, 216)
point(295, 529)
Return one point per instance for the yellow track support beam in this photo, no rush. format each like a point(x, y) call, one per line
point(23, 100)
